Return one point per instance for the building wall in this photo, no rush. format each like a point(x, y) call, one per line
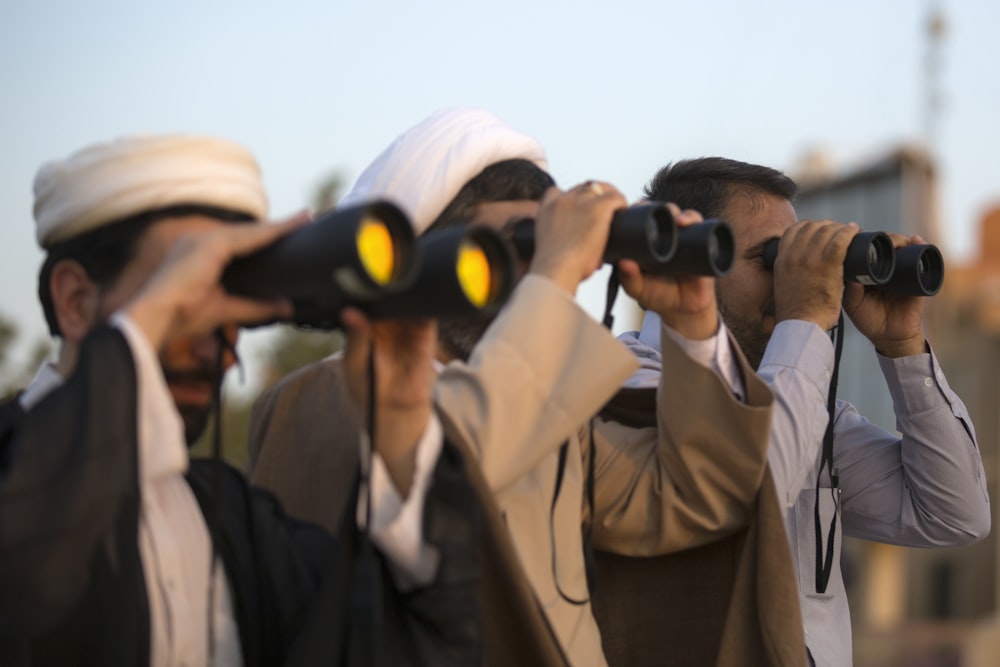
point(895, 590)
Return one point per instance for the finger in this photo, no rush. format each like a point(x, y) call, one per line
point(899, 240)
point(687, 217)
point(631, 278)
point(244, 239)
point(551, 195)
point(628, 269)
point(243, 311)
point(355, 323)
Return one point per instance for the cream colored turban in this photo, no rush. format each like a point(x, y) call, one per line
point(426, 166)
point(107, 182)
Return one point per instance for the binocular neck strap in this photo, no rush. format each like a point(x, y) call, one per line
point(824, 562)
point(609, 300)
point(224, 346)
point(366, 586)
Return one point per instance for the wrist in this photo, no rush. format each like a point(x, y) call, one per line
point(693, 326)
point(901, 348)
point(564, 277)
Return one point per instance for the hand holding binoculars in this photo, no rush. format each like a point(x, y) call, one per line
point(368, 256)
point(649, 235)
point(871, 259)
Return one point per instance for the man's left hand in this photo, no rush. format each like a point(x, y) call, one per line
point(685, 303)
point(892, 322)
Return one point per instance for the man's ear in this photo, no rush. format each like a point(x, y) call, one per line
point(74, 299)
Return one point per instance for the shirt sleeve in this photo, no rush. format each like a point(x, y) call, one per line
point(924, 486)
point(797, 364)
point(65, 467)
point(397, 523)
point(691, 478)
point(523, 391)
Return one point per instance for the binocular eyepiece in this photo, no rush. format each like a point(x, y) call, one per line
point(368, 256)
point(649, 235)
point(871, 259)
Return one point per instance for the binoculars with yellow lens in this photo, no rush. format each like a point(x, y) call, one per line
point(871, 259)
point(649, 235)
point(368, 256)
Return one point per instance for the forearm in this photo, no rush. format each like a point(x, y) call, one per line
point(691, 479)
point(526, 390)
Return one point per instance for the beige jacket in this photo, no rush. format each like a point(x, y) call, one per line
point(541, 371)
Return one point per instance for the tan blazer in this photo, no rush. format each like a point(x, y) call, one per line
point(541, 371)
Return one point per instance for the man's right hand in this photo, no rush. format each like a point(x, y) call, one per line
point(571, 232)
point(183, 297)
point(809, 271)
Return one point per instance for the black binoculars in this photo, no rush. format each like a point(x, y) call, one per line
point(649, 235)
point(871, 259)
point(368, 256)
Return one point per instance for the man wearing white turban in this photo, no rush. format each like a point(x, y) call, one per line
point(115, 549)
point(521, 393)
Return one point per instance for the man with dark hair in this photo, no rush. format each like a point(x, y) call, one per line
point(115, 549)
point(925, 487)
point(520, 393)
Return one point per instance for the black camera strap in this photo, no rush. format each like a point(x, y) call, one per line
point(824, 564)
point(588, 551)
point(366, 593)
point(609, 301)
point(215, 520)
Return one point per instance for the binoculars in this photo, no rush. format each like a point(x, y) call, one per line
point(649, 235)
point(871, 259)
point(368, 256)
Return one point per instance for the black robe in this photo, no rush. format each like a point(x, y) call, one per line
point(72, 590)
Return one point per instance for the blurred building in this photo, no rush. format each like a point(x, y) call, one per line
point(916, 606)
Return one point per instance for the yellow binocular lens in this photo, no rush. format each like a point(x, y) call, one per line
point(376, 250)
point(474, 274)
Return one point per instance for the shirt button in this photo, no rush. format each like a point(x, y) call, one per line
point(928, 382)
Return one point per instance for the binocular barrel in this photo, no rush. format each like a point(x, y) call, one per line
point(648, 235)
point(465, 270)
point(367, 256)
point(919, 271)
point(871, 259)
point(345, 256)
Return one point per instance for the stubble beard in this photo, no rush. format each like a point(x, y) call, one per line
point(749, 334)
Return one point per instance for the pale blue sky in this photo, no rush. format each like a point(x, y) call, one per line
point(612, 90)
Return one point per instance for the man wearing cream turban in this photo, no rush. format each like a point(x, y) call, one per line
point(115, 549)
point(521, 393)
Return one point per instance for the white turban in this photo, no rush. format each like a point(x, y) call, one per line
point(426, 166)
point(105, 183)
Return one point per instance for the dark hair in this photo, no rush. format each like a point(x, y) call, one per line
point(708, 184)
point(509, 180)
point(106, 251)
